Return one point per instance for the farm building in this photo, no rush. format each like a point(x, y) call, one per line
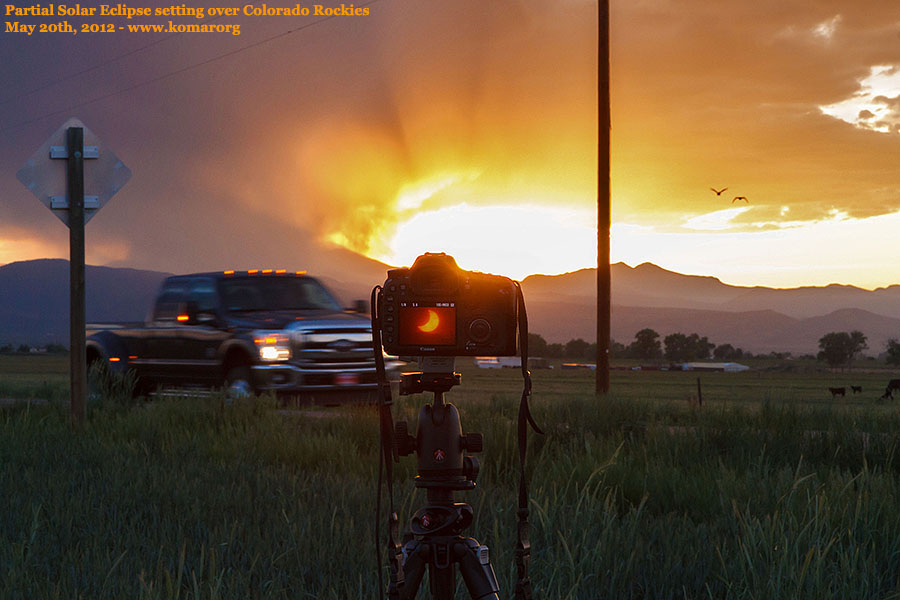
point(728, 367)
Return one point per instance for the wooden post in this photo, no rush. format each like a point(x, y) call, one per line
point(699, 395)
point(604, 296)
point(75, 196)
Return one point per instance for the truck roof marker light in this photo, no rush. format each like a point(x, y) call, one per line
point(114, 359)
point(229, 272)
point(266, 271)
point(301, 272)
point(132, 357)
point(253, 271)
point(281, 271)
point(182, 318)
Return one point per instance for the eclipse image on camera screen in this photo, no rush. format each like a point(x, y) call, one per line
point(427, 325)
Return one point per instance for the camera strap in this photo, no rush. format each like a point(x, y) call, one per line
point(523, 545)
point(387, 457)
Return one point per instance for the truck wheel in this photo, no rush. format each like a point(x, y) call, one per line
point(237, 383)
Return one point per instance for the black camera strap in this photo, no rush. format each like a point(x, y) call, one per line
point(387, 457)
point(523, 545)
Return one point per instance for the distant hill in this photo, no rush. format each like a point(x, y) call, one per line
point(648, 285)
point(34, 305)
point(34, 298)
point(757, 319)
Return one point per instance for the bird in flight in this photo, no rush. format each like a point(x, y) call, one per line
point(719, 192)
point(744, 198)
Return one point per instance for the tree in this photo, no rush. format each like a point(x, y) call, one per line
point(676, 347)
point(701, 346)
point(616, 349)
point(537, 345)
point(577, 348)
point(645, 345)
point(834, 348)
point(681, 347)
point(727, 352)
point(839, 348)
point(24, 348)
point(857, 343)
point(893, 352)
point(555, 350)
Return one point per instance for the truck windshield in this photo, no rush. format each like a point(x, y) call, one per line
point(240, 294)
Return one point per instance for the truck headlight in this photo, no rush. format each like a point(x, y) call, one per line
point(272, 346)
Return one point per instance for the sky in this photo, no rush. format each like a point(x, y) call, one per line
point(471, 128)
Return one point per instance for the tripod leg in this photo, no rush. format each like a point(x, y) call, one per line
point(395, 559)
point(415, 559)
point(476, 569)
point(442, 571)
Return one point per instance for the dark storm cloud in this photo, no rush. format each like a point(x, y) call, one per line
point(311, 133)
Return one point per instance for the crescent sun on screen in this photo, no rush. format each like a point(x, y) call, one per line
point(421, 325)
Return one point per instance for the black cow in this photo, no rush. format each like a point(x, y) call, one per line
point(835, 392)
point(857, 389)
point(893, 384)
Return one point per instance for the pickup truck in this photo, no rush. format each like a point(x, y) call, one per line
point(248, 332)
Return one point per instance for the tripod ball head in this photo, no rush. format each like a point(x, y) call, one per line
point(441, 447)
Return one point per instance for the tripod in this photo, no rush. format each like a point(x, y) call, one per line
point(435, 541)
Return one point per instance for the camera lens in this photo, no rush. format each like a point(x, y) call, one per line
point(480, 330)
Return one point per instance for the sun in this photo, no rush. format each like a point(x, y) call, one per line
point(515, 241)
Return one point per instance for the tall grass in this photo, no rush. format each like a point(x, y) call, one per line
point(631, 497)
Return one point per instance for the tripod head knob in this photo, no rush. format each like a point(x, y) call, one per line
point(471, 467)
point(473, 442)
point(403, 442)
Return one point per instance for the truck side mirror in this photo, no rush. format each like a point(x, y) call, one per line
point(187, 312)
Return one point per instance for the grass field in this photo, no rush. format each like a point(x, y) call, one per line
point(34, 376)
point(769, 490)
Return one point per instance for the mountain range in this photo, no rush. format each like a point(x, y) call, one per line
point(756, 319)
point(34, 304)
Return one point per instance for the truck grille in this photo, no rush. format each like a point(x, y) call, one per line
point(334, 349)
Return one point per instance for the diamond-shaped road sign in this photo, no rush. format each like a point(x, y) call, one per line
point(45, 173)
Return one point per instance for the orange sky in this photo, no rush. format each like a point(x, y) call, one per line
point(470, 128)
point(716, 94)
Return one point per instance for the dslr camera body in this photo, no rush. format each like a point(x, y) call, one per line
point(434, 308)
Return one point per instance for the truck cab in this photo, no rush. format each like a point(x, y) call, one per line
point(248, 331)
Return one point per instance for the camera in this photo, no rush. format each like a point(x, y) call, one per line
point(434, 308)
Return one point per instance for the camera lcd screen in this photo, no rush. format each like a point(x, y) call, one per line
point(433, 325)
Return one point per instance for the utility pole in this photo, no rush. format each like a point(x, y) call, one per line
point(604, 297)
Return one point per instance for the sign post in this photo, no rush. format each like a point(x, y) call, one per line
point(64, 194)
point(77, 318)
